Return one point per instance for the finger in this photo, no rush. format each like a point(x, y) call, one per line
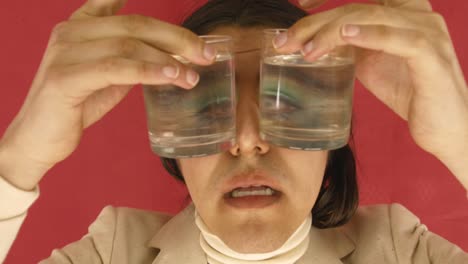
point(164, 36)
point(82, 52)
point(407, 43)
point(76, 82)
point(330, 23)
point(329, 36)
point(302, 30)
point(97, 8)
point(66, 53)
point(327, 39)
point(416, 5)
point(310, 4)
point(305, 29)
point(414, 46)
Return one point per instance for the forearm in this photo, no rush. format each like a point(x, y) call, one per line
point(458, 165)
point(456, 159)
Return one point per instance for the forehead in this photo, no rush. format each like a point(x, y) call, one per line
point(245, 39)
point(247, 46)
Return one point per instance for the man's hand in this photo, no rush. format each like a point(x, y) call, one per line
point(405, 57)
point(91, 63)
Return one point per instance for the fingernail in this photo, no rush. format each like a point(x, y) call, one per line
point(350, 30)
point(307, 48)
point(209, 52)
point(192, 77)
point(171, 71)
point(280, 40)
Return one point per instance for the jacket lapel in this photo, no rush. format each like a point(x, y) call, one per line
point(179, 242)
point(327, 246)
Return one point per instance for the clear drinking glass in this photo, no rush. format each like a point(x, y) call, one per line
point(305, 105)
point(197, 122)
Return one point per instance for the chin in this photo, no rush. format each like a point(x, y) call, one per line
point(255, 237)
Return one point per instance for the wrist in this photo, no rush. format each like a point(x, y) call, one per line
point(18, 170)
point(457, 163)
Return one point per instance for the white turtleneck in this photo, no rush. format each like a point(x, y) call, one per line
point(218, 252)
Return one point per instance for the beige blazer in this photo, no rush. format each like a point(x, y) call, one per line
point(376, 234)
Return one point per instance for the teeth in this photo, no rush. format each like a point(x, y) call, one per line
point(242, 193)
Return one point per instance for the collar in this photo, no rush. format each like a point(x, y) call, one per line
point(178, 242)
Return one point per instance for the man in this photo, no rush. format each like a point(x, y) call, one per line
point(79, 81)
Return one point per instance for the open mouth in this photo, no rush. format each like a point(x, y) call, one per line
point(258, 196)
point(252, 191)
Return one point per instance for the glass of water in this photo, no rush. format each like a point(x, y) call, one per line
point(200, 121)
point(305, 105)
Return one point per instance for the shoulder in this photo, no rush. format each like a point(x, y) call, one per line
point(118, 217)
point(392, 234)
point(118, 234)
point(126, 230)
point(390, 231)
point(142, 223)
point(382, 216)
point(389, 220)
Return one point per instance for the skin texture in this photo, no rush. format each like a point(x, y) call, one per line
point(93, 60)
point(299, 173)
point(405, 35)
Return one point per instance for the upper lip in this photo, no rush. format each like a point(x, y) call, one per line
point(253, 178)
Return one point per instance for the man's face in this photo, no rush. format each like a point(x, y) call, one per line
point(256, 222)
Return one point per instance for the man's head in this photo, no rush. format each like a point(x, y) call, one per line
point(303, 181)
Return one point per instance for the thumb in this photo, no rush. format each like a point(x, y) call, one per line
point(417, 5)
point(97, 8)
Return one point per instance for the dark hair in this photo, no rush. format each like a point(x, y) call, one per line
point(338, 197)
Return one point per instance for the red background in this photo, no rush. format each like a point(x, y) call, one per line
point(114, 164)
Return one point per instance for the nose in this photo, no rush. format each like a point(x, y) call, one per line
point(248, 140)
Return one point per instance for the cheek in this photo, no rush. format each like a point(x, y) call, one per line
point(309, 169)
point(196, 172)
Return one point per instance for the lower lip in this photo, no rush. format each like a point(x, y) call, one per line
point(253, 202)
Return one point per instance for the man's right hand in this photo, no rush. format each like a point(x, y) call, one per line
point(91, 63)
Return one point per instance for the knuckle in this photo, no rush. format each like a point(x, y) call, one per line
point(127, 46)
point(435, 22)
point(367, 11)
point(420, 41)
point(383, 32)
point(60, 46)
point(52, 78)
point(295, 29)
point(376, 12)
point(444, 45)
point(134, 23)
point(324, 38)
point(438, 19)
point(142, 69)
point(108, 65)
point(58, 31)
point(301, 29)
point(57, 49)
point(189, 40)
point(350, 8)
point(298, 29)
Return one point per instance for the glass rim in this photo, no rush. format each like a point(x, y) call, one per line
point(274, 31)
point(212, 39)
